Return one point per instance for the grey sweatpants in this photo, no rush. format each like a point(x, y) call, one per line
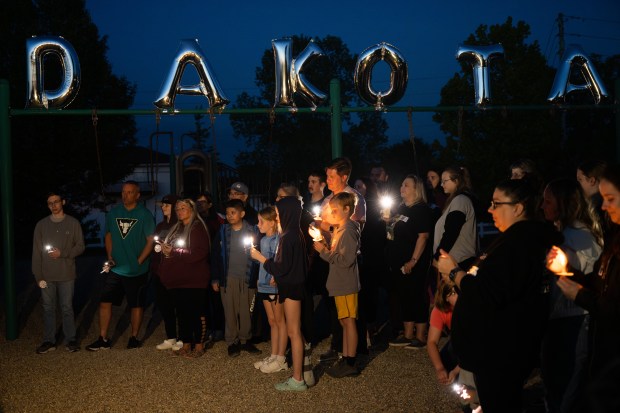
point(236, 299)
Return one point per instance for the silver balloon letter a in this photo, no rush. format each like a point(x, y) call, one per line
point(289, 78)
point(190, 53)
point(575, 57)
point(398, 75)
point(38, 48)
point(480, 58)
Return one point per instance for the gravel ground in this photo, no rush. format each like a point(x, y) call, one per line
point(148, 380)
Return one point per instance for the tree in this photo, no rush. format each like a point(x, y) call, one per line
point(289, 146)
point(488, 141)
point(60, 152)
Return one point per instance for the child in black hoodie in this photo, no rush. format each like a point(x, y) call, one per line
point(289, 268)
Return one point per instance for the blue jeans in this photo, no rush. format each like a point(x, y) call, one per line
point(63, 290)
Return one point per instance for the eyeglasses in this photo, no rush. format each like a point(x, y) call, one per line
point(495, 204)
point(52, 203)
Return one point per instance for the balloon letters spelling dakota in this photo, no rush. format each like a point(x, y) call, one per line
point(289, 78)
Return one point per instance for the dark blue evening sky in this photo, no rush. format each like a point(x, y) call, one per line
point(143, 37)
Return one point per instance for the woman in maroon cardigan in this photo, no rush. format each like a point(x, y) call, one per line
point(185, 272)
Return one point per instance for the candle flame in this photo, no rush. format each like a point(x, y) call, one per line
point(386, 202)
point(315, 233)
point(559, 265)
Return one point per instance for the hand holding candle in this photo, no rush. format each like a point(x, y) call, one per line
point(386, 206)
point(557, 262)
point(315, 233)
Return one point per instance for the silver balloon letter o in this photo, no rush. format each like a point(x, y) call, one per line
point(398, 75)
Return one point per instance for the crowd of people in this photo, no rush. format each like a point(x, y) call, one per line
point(544, 293)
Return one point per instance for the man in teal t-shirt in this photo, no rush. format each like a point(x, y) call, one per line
point(128, 243)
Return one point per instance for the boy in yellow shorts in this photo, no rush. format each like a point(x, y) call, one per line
point(343, 281)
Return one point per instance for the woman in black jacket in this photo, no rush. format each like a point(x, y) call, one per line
point(499, 319)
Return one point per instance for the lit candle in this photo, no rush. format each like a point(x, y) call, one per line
point(180, 243)
point(559, 263)
point(386, 205)
point(248, 242)
point(48, 248)
point(156, 239)
point(315, 233)
point(316, 210)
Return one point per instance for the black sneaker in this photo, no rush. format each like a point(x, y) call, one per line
point(344, 370)
point(72, 346)
point(250, 348)
point(100, 344)
point(45, 347)
point(329, 355)
point(415, 345)
point(234, 350)
point(133, 343)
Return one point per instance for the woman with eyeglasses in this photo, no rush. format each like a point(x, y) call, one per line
point(499, 319)
point(455, 230)
point(599, 292)
point(185, 273)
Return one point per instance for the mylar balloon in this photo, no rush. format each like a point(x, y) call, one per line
point(398, 75)
point(190, 53)
point(480, 58)
point(289, 76)
point(38, 48)
point(575, 57)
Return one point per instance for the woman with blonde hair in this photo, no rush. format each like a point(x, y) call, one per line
point(185, 272)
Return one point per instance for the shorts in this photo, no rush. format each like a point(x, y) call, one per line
point(346, 305)
point(267, 297)
point(118, 286)
point(295, 292)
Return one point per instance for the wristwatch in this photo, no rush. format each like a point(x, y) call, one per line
point(454, 272)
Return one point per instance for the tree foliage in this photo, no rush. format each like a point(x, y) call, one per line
point(488, 141)
point(293, 145)
point(60, 152)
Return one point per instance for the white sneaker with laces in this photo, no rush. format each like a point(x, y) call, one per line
point(167, 344)
point(266, 360)
point(177, 346)
point(274, 366)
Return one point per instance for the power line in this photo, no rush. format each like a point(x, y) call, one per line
point(593, 19)
point(593, 36)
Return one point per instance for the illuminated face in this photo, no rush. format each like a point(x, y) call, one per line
point(315, 185)
point(130, 195)
point(339, 215)
point(407, 190)
point(550, 206)
point(448, 184)
point(234, 216)
point(360, 187)
point(504, 210)
point(265, 226)
point(611, 200)
point(55, 204)
point(335, 182)
point(433, 179)
point(184, 212)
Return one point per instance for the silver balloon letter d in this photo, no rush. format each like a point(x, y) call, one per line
point(38, 48)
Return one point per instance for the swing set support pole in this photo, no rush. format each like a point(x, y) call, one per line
point(334, 93)
point(6, 210)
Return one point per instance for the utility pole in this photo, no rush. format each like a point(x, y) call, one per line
point(562, 47)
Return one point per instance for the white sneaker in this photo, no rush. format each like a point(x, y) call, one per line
point(167, 344)
point(274, 366)
point(261, 363)
point(177, 346)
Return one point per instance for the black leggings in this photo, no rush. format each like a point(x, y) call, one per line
point(190, 304)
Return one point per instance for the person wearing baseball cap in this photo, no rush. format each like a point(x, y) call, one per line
point(239, 190)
